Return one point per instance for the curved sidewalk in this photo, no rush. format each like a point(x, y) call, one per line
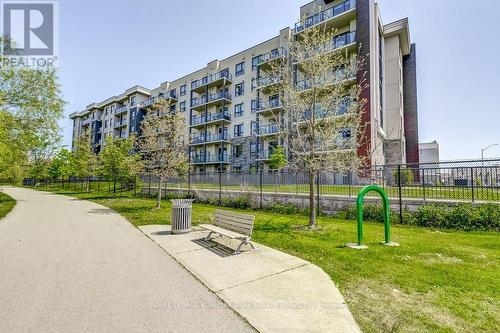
point(69, 265)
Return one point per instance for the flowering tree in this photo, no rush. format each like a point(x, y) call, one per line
point(163, 144)
point(320, 123)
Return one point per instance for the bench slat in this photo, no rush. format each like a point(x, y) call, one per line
point(241, 217)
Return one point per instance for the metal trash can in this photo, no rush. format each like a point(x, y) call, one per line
point(181, 215)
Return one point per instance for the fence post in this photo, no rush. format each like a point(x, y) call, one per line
point(317, 193)
point(220, 187)
point(260, 187)
point(400, 195)
point(149, 185)
point(349, 176)
point(472, 182)
point(423, 182)
point(98, 185)
point(189, 184)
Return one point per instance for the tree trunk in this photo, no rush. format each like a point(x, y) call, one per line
point(114, 187)
point(312, 202)
point(158, 197)
point(88, 184)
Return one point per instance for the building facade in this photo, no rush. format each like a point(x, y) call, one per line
point(228, 105)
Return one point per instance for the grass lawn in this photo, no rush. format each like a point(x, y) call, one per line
point(437, 281)
point(6, 204)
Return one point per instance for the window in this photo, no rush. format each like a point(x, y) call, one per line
point(172, 108)
point(173, 93)
point(182, 106)
point(254, 84)
point(238, 130)
point(237, 150)
point(238, 110)
point(236, 169)
point(253, 148)
point(106, 111)
point(254, 127)
point(132, 101)
point(112, 108)
point(255, 61)
point(240, 69)
point(183, 90)
point(106, 124)
point(255, 105)
point(239, 89)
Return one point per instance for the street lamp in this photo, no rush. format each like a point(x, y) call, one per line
point(482, 160)
point(484, 149)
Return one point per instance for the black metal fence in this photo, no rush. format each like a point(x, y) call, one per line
point(458, 181)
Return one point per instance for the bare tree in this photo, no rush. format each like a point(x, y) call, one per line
point(320, 123)
point(163, 144)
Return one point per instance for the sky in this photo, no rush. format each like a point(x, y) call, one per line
point(108, 46)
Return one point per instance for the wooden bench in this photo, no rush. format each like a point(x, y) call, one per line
point(232, 225)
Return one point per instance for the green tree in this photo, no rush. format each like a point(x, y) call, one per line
point(278, 159)
point(118, 161)
point(30, 108)
point(406, 176)
point(84, 162)
point(61, 165)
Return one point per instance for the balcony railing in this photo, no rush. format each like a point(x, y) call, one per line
point(338, 42)
point(195, 102)
point(209, 158)
point(209, 118)
point(211, 78)
point(264, 154)
point(325, 15)
point(121, 109)
point(86, 121)
point(267, 81)
point(120, 123)
point(321, 113)
point(152, 100)
point(338, 76)
point(210, 138)
point(268, 129)
point(274, 54)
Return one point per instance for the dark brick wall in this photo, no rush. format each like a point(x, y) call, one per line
point(363, 76)
point(410, 105)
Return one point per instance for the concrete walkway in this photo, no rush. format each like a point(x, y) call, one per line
point(74, 266)
point(274, 291)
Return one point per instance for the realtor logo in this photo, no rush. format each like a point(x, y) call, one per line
point(29, 30)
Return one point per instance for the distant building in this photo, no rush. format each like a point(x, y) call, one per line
point(428, 152)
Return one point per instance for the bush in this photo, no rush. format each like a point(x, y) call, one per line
point(284, 208)
point(462, 216)
point(406, 176)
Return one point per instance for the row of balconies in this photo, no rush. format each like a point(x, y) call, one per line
point(218, 79)
point(328, 15)
point(214, 158)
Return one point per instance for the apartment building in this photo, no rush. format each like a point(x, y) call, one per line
point(228, 105)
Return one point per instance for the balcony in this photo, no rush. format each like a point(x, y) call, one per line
point(343, 41)
point(265, 61)
point(269, 107)
point(271, 129)
point(338, 15)
point(210, 138)
point(266, 84)
point(340, 76)
point(320, 113)
point(209, 158)
point(86, 122)
point(214, 80)
point(170, 97)
point(120, 123)
point(211, 99)
point(210, 118)
point(121, 109)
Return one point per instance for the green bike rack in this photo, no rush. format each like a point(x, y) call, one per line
point(387, 212)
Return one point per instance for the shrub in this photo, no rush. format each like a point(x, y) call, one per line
point(284, 208)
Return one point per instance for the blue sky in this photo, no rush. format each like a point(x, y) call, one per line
point(109, 46)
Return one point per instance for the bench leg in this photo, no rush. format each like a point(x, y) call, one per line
point(243, 242)
point(208, 236)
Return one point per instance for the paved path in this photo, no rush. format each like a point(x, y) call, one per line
point(70, 266)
